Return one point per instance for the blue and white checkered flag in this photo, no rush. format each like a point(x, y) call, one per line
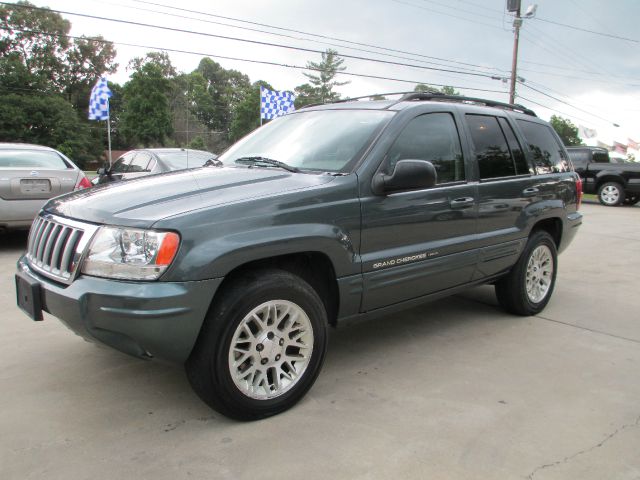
point(99, 101)
point(275, 104)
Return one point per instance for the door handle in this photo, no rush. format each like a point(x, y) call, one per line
point(462, 202)
point(530, 192)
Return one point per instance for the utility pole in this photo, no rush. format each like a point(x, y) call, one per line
point(517, 23)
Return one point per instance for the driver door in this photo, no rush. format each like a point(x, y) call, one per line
point(419, 242)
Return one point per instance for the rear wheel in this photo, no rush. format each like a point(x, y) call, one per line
point(611, 194)
point(262, 346)
point(527, 288)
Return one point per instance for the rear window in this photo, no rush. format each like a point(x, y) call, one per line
point(31, 159)
point(182, 160)
point(548, 155)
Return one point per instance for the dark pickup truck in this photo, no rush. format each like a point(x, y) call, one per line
point(614, 183)
point(334, 212)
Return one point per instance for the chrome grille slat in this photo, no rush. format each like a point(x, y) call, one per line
point(56, 246)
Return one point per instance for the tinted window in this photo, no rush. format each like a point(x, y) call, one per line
point(522, 167)
point(31, 159)
point(548, 156)
point(579, 157)
point(120, 165)
point(139, 163)
point(433, 137)
point(184, 159)
point(490, 146)
point(601, 157)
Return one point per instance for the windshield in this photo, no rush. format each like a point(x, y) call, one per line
point(185, 159)
point(326, 140)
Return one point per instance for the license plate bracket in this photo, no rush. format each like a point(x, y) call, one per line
point(29, 296)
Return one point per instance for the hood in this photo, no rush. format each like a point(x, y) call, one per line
point(143, 201)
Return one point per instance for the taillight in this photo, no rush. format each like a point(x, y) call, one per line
point(83, 183)
point(578, 192)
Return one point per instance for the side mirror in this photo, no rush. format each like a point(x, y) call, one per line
point(407, 175)
point(101, 171)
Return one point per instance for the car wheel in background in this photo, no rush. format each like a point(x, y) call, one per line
point(611, 194)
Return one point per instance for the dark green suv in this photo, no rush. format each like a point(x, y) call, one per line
point(338, 211)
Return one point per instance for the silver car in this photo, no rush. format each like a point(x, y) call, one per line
point(29, 176)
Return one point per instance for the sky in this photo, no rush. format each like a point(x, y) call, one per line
point(591, 79)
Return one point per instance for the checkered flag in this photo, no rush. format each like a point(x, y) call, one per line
point(275, 104)
point(99, 101)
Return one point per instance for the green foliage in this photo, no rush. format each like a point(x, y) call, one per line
point(146, 117)
point(215, 93)
point(198, 143)
point(446, 90)
point(321, 84)
point(246, 115)
point(566, 130)
point(45, 119)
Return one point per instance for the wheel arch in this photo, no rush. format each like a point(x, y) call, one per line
point(553, 226)
point(314, 267)
point(609, 177)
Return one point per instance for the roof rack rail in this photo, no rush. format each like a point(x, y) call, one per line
point(459, 98)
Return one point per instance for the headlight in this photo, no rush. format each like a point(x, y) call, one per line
point(130, 253)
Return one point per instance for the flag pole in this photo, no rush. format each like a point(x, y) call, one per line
point(109, 138)
point(260, 105)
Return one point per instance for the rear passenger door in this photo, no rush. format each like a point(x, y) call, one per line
point(506, 186)
point(418, 242)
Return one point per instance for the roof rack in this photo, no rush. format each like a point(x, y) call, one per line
point(414, 96)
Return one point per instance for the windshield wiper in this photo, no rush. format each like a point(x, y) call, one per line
point(257, 160)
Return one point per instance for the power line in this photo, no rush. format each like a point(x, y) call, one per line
point(566, 103)
point(554, 110)
point(447, 14)
point(244, 40)
point(573, 27)
point(263, 62)
point(326, 37)
point(174, 15)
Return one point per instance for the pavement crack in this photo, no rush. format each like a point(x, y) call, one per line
point(585, 451)
point(592, 330)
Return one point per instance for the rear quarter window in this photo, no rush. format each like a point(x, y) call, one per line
point(548, 153)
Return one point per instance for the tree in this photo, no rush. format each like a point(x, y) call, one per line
point(446, 90)
point(321, 84)
point(246, 115)
point(45, 119)
point(566, 130)
point(146, 115)
point(215, 94)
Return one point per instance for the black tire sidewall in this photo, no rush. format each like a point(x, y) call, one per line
point(269, 286)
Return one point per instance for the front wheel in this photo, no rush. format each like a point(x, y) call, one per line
point(261, 347)
point(527, 288)
point(611, 194)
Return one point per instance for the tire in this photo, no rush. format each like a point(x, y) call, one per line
point(611, 194)
point(249, 364)
point(631, 199)
point(527, 288)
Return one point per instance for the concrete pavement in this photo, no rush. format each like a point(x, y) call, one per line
point(455, 389)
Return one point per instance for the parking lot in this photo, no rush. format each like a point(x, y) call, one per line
point(454, 389)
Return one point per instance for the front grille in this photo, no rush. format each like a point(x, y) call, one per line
point(56, 246)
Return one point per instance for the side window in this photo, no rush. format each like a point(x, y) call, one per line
point(433, 137)
point(139, 163)
point(580, 158)
point(548, 153)
point(121, 164)
point(490, 145)
point(601, 157)
point(522, 166)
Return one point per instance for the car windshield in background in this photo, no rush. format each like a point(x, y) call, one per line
point(182, 160)
point(326, 140)
point(31, 159)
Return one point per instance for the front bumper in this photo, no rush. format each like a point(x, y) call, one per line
point(143, 319)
